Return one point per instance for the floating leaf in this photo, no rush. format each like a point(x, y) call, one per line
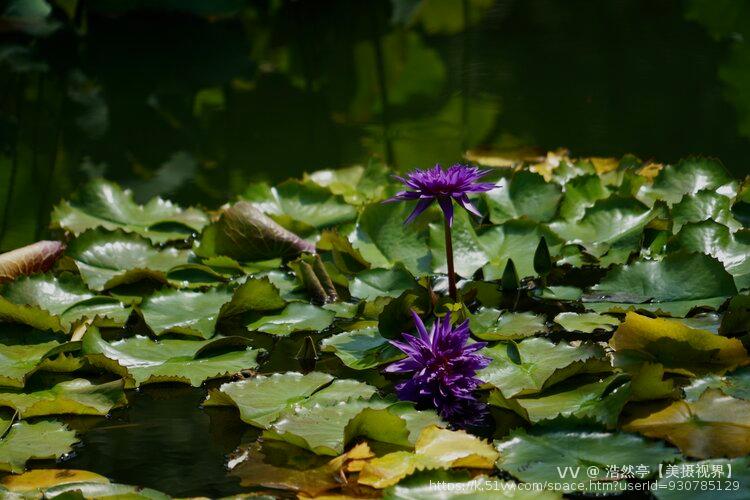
point(455, 484)
point(596, 401)
point(38, 257)
point(302, 202)
point(383, 240)
point(715, 425)
point(50, 303)
point(545, 455)
point(674, 285)
point(40, 440)
point(361, 349)
point(688, 177)
point(535, 364)
point(104, 204)
point(144, 361)
point(245, 233)
point(586, 322)
point(732, 249)
point(78, 396)
point(356, 184)
point(295, 317)
point(581, 193)
point(107, 259)
point(435, 448)
point(735, 384)
point(18, 362)
point(703, 206)
point(677, 346)
point(374, 283)
point(185, 312)
point(261, 400)
point(492, 324)
point(729, 472)
point(525, 194)
point(517, 240)
point(468, 253)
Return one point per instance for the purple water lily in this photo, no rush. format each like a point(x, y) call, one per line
point(443, 370)
point(443, 186)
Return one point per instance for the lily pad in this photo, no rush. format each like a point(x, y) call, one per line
point(677, 346)
point(374, 283)
point(688, 177)
point(384, 241)
point(185, 312)
point(673, 285)
point(361, 349)
point(735, 384)
point(703, 206)
point(296, 317)
point(530, 366)
point(455, 484)
point(78, 396)
point(515, 239)
point(107, 259)
point(18, 362)
point(468, 253)
point(586, 322)
point(716, 425)
point(356, 184)
point(144, 361)
point(104, 204)
point(50, 303)
point(733, 472)
point(599, 402)
point(582, 192)
point(492, 324)
point(525, 194)
point(40, 440)
point(436, 448)
point(543, 456)
point(38, 257)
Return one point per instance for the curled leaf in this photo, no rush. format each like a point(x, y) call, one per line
point(35, 258)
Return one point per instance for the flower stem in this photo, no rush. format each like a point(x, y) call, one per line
point(449, 260)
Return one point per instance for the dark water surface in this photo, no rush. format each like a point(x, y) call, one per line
point(194, 99)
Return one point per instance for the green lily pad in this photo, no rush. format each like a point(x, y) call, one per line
point(384, 241)
point(688, 177)
point(453, 484)
point(141, 360)
point(492, 324)
point(525, 194)
point(702, 206)
point(185, 312)
point(107, 259)
point(732, 249)
point(596, 402)
point(543, 456)
point(586, 322)
point(531, 366)
point(582, 192)
point(735, 384)
point(261, 400)
point(299, 202)
point(40, 440)
point(515, 239)
point(356, 184)
point(361, 349)
point(468, 253)
point(50, 303)
point(104, 204)
point(374, 283)
point(78, 396)
point(296, 317)
point(613, 222)
point(18, 362)
point(673, 285)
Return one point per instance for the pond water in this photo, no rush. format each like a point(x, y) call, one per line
point(193, 100)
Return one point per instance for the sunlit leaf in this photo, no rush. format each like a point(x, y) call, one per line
point(374, 283)
point(295, 317)
point(714, 426)
point(702, 206)
point(535, 364)
point(185, 312)
point(586, 322)
point(735, 384)
point(524, 194)
point(104, 204)
point(468, 253)
point(78, 396)
point(514, 239)
point(25, 441)
point(492, 324)
point(688, 177)
point(17, 362)
point(144, 361)
point(361, 349)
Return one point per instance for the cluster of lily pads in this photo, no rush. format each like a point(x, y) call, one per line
point(610, 295)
